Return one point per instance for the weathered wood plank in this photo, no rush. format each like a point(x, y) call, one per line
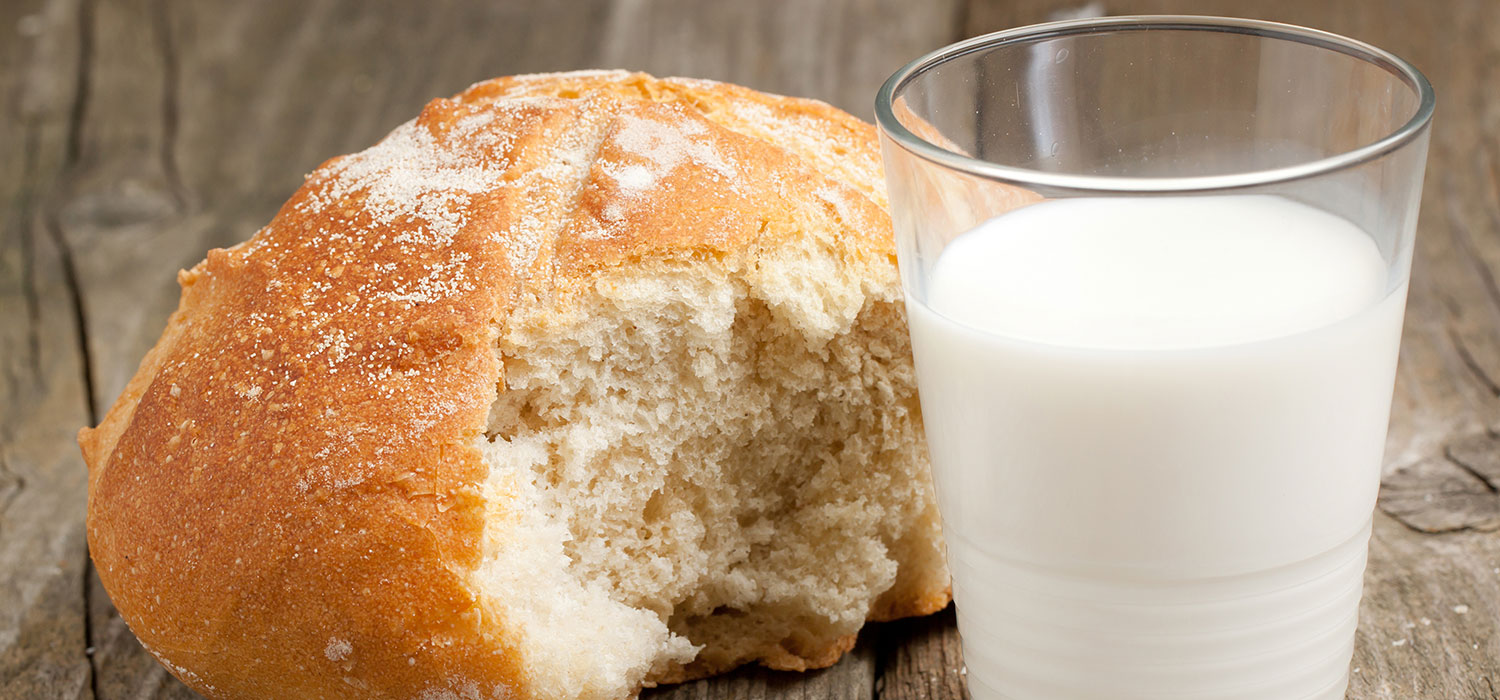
point(852, 678)
point(839, 51)
point(1411, 641)
point(921, 659)
point(125, 178)
point(1430, 619)
point(43, 564)
point(202, 119)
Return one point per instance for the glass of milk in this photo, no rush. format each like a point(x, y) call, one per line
point(1155, 272)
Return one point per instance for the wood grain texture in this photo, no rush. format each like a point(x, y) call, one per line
point(921, 659)
point(139, 133)
point(43, 615)
point(838, 51)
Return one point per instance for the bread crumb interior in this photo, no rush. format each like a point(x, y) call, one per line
point(700, 465)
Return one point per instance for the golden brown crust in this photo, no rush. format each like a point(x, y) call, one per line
point(284, 502)
point(301, 455)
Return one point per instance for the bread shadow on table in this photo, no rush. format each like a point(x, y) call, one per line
point(916, 658)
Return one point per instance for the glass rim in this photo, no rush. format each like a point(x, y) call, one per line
point(897, 132)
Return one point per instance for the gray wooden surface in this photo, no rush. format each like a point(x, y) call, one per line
point(136, 134)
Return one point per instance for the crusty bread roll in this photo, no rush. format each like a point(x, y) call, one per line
point(577, 383)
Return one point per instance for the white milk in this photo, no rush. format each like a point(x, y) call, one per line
point(1156, 427)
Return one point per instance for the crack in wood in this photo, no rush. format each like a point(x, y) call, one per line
point(1462, 465)
point(878, 662)
point(80, 314)
point(1469, 361)
point(1478, 455)
point(167, 152)
point(23, 222)
point(83, 81)
point(1460, 235)
point(88, 625)
point(1490, 154)
point(1442, 495)
point(11, 486)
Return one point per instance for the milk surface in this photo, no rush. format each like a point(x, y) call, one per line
point(1156, 427)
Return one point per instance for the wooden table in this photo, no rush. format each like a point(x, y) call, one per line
point(136, 134)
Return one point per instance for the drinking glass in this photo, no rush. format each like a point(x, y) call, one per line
point(1155, 271)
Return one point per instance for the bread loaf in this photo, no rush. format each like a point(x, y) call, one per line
point(575, 384)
